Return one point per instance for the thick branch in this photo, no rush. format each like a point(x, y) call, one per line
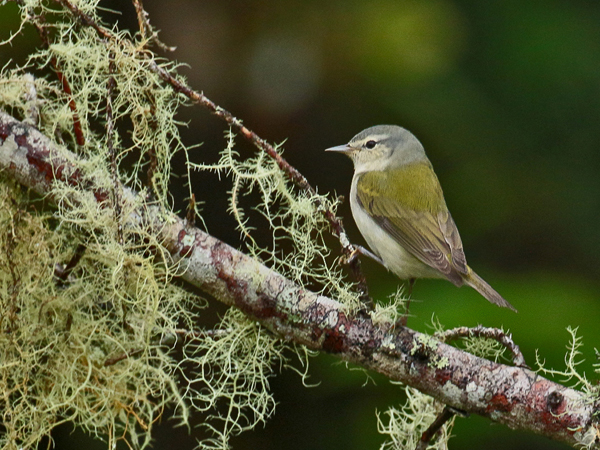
point(514, 396)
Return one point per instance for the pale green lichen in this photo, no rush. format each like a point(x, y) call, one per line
point(95, 349)
point(228, 376)
point(58, 340)
point(405, 426)
point(485, 348)
point(429, 344)
point(424, 341)
point(391, 311)
point(571, 373)
point(299, 229)
point(479, 346)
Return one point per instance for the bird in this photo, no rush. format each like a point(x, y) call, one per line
point(399, 208)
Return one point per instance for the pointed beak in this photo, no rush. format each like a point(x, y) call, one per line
point(340, 148)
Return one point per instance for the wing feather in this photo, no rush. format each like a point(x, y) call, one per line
point(419, 221)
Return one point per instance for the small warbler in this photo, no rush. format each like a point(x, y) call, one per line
point(398, 205)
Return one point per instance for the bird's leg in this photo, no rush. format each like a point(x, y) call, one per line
point(359, 249)
point(404, 318)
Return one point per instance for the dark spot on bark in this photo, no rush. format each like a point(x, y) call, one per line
point(221, 258)
point(101, 196)
point(554, 401)
point(499, 402)
point(442, 376)
point(334, 342)
point(316, 333)
point(38, 159)
point(404, 342)
point(421, 353)
point(267, 308)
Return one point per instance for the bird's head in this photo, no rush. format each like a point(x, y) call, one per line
point(382, 147)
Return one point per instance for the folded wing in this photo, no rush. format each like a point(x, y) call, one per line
point(416, 217)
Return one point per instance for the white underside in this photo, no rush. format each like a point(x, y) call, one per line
point(396, 258)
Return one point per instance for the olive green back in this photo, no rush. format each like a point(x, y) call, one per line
point(408, 203)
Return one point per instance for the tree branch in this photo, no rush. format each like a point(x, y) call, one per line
point(236, 124)
point(514, 396)
point(489, 333)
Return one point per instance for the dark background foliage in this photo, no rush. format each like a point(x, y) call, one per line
point(505, 97)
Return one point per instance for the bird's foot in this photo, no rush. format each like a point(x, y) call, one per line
point(360, 250)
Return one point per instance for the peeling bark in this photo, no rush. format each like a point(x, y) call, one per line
point(514, 396)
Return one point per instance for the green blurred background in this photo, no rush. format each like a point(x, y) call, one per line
point(505, 97)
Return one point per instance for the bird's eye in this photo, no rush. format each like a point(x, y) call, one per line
point(370, 144)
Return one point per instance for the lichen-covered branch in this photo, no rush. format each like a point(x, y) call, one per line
point(236, 124)
point(514, 396)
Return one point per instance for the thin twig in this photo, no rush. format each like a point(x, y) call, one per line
point(86, 20)
point(110, 131)
point(202, 334)
point(115, 359)
point(62, 272)
point(151, 150)
point(33, 112)
point(79, 138)
point(191, 211)
point(77, 129)
point(12, 287)
point(292, 173)
point(142, 17)
point(446, 414)
point(146, 30)
point(491, 333)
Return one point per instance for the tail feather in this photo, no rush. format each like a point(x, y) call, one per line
point(479, 284)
